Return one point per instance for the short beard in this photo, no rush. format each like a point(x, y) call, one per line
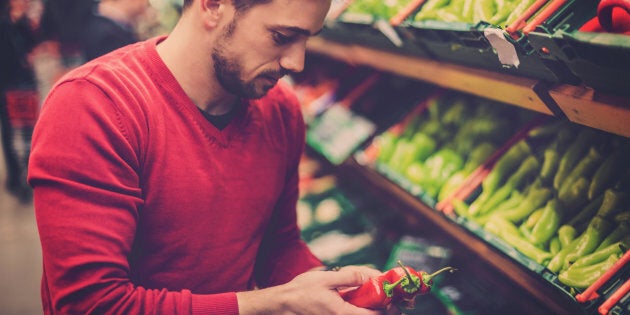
point(228, 71)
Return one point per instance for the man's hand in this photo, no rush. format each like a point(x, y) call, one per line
point(313, 292)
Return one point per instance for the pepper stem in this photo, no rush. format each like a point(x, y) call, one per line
point(388, 288)
point(427, 278)
point(406, 271)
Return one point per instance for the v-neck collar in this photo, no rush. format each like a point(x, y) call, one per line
point(185, 105)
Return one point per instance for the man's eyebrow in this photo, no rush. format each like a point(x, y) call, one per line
point(299, 30)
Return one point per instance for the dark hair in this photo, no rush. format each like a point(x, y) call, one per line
point(240, 5)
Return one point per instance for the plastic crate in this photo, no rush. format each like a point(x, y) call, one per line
point(599, 60)
point(373, 31)
point(487, 46)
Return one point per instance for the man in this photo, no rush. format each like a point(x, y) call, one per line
point(165, 173)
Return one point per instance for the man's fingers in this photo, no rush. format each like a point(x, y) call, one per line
point(350, 276)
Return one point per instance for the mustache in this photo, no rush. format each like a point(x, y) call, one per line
point(276, 74)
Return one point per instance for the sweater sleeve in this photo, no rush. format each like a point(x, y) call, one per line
point(85, 171)
point(283, 254)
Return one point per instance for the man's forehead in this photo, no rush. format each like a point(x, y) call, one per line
point(304, 17)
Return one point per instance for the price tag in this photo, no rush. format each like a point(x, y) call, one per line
point(505, 49)
point(338, 132)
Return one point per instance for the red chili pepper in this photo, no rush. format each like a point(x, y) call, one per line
point(376, 293)
point(397, 285)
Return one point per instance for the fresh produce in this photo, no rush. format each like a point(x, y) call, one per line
point(574, 153)
point(379, 8)
point(437, 148)
point(501, 170)
point(497, 12)
point(605, 174)
point(510, 233)
point(547, 225)
point(599, 255)
point(397, 285)
point(569, 211)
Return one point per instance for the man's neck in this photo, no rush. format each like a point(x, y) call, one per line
point(180, 51)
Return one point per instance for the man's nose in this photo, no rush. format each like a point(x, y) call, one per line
point(293, 57)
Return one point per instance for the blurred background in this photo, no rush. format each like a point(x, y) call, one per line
point(40, 40)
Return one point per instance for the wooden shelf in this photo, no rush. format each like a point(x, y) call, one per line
point(579, 104)
point(584, 106)
point(505, 88)
point(551, 298)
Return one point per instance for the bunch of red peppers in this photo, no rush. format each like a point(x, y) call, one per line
point(399, 285)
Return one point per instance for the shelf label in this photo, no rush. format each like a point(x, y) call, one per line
point(505, 49)
point(338, 132)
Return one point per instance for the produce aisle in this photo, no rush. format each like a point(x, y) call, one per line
point(520, 168)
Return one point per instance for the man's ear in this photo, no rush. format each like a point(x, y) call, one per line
point(212, 11)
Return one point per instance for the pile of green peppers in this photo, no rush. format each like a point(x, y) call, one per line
point(561, 197)
point(496, 12)
point(378, 8)
point(441, 146)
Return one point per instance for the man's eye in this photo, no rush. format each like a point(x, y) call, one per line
point(281, 39)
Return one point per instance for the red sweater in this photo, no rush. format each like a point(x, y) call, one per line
point(143, 206)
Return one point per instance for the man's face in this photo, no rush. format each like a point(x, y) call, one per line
point(265, 43)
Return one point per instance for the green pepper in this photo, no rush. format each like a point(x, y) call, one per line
point(457, 114)
point(550, 129)
point(502, 13)
point(554, 245)
point(573, 154)
point(484, 10)
point(566, 234)
point(605, 174)
point(583, 277)
point(584, 168)
point(467, 11)
point(548, 223)
point(501, 170)
point(574, 195)
point(586, 214)
point(429, 8)
point(513, 201)
point(476, 158)
point(533, 218)
point(533, 200)
point(453, 182)
point(410, 151)
point(619, 232)
point(387, 144)
point(597, 229)
point(623, 217)
point(525, 171)
point(478, 155)
point(402, 149)
point(440, 166)
point(614, 249)
point(552, 155)
point(550, 165)
point(511, 235)
point(557, 262)
point(613, 201)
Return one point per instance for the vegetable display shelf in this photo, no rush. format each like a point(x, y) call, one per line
point(542, 291)
point(578, 103)
point(584, 106)
point(505, 88)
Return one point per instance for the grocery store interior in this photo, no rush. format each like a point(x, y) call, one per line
point(488, 136)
